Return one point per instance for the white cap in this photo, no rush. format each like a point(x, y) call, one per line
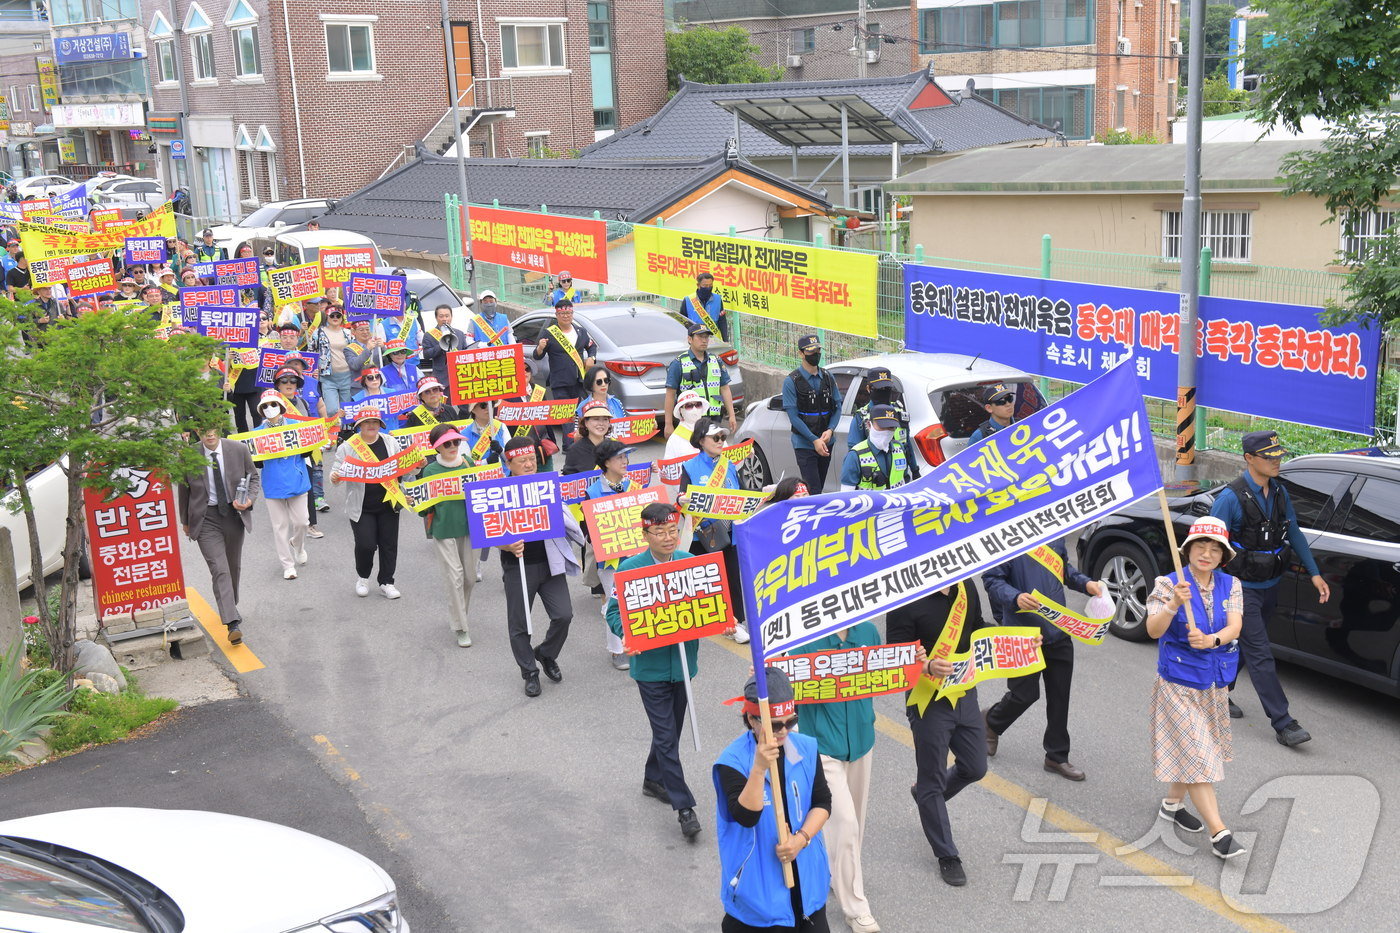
point(486, 293)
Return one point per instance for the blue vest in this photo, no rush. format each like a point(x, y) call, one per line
point(1181, 664)
point(751, 877)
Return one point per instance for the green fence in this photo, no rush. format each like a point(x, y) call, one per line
point(769, 342)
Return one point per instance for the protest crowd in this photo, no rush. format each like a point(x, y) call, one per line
point(348, 401)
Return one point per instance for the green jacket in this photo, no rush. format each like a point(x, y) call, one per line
point(450, 517)
point(844, 730)
point(659, 665)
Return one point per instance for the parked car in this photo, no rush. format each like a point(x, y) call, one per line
point(102, 180)
point(48, 493)
point(119, 868)
point(141, 193)
point(267, 220)
point(294, 247)
point(636, 342)
point(1348, 505)
point(940, 395)
point(39, 186)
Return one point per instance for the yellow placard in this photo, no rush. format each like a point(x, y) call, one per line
point(45, 241)
point(806, 285)
point(1076, 625)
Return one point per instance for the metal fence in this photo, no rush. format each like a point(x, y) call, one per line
point(769, 342)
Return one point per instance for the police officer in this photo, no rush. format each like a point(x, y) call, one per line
point(880, 381)
point(1262, 528)
point(701, 372)
point(999, 402)
point(813, 405)
point(881, 461)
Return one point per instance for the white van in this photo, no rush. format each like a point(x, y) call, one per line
point(296, 247)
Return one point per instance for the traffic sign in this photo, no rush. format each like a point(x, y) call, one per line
point(177, 149)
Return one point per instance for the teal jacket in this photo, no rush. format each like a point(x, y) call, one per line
point(659, 665)
point(844, 730)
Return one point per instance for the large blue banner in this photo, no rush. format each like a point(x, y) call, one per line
point(814, 565)
point(1256, 358)
point(516, 508)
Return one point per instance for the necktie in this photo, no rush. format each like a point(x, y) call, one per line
point(220, 492)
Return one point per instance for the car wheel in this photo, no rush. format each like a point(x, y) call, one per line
point(1129, 574)
point(753, 471)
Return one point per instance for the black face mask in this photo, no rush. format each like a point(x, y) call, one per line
point(813, 358)
point(705, 292)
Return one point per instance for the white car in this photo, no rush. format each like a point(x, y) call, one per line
point(39, 186)
point(267, 221)
point(48, 492)
point(141, 193)
point(164, 871)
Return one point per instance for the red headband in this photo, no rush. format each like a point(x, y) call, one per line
point(519, 452)
point(780, 710)
point(800, 490)
point(671, 518)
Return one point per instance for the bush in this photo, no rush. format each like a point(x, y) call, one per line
point(29, 703)
point(101, 717)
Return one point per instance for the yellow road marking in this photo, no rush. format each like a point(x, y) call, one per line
point(240, 656)
point(334, 755)
point(1013, 793)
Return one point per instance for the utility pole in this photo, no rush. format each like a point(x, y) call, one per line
point(1190, 252)
point(191, 158)
point(859, 40)
point(461, 143)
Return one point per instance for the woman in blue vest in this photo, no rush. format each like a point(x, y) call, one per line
point(751, 859)
point(1196, 659)
point(713, 534)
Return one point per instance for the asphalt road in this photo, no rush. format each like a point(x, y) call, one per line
point(526, 814)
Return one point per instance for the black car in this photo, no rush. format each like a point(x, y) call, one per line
point(1348, 505)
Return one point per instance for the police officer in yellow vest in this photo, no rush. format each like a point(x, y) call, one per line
point(883, 460)
point(699, 371)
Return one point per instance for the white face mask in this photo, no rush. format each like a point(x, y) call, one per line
point(881, 437)
point(691, 415)
point(451, 461)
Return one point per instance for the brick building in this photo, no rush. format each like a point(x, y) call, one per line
point(300, 100)
point(815, 39)
point(1090, 65)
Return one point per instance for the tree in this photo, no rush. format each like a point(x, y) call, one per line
point(1217, 39)
point(1219, 98)
point(715, 56)
point(1334, 59)
point(97, 389)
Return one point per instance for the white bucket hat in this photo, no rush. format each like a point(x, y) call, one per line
point(1209, 528)
point(689, 396)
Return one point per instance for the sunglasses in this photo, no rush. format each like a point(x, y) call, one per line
point(450, 444)
point(1002, 401)
point(602, 382)
point(780, 725)
point(566, 280)
point(374, 379)
point(286, 382)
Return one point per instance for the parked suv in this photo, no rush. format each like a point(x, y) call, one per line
point(267, 220)
point(1348, 505)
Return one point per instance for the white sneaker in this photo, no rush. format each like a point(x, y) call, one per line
point(864, 924)
point(301, 556)
point(289, 574)
point(389, 590)
point(740, 635)
point(361, 587)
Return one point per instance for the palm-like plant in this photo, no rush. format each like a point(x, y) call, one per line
point(27, 707)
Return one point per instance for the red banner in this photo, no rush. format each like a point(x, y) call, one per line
point(633, 429)
point(854, 673)
point(135, 555)
point(34, 208)
point(541, 242)
point(91, 276)
point(677, 601)
point(486, 374)
point(558, 411)
point(615, 523)
point(339, 261)
point(104, 217)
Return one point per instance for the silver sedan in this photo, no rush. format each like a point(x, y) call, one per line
point(940, 393)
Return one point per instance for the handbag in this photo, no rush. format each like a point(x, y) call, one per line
point(714, 536)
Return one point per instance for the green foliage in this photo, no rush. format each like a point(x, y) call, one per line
point(1217, 38)
point(102, 717)
point(1218, 98)
point(715, 56)
point(27, 706)
point(1125, 138)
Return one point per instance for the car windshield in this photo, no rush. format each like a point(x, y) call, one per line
point(960, 410)
point(262, 217)
point(35, 889)
point(650, 325)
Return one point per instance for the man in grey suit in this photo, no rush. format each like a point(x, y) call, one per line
point(214, 511)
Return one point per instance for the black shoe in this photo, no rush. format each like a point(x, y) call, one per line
point(532, 684)
point(1223, 844)
point(1235, 711)
point(235, 637)
point(551, 667)
point(950, 867)
point(690, 825)
point(1182, 817)
point(1293, 735)
point(655, 789)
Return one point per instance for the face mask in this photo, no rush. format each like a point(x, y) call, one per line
point(813, 358)
point(705, 292)
point(881, 437)
point(452, 461)
point(691, 415)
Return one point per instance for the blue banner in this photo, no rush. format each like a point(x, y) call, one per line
point(144, 250)
point(271, 359)
point(516, 508)
point(237, 327)
point(242, 273)
point(382, 295)
point(72, 202)
point(105, 47)
point(1256, 358)
point(392, 407)
point(813, 565)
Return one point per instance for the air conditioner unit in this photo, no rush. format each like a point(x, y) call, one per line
point(794, 61)
point(872, 56)
point(1124, 46)
point(1176, 48)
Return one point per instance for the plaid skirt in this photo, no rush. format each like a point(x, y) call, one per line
point(1190, 733)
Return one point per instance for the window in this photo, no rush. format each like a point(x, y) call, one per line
point(34, 103)
point(1071, 108)
point(872, 37)
point(537, 145)
point(245, 52)
point(1311, 493)
point(1361, 231)
point(1067, 22)
point(13, 98)
point(804, 40)
point(165, 61)
point(957, 29)
point(1018, 24)
point(599, 27)
point(532, 45)
point(350, 47)
point(1120, 106)
point(1225, 232)
point(202, 52)
point(604, 120)
point(600, 65)
point(1376, 512)
point(1014, 24)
